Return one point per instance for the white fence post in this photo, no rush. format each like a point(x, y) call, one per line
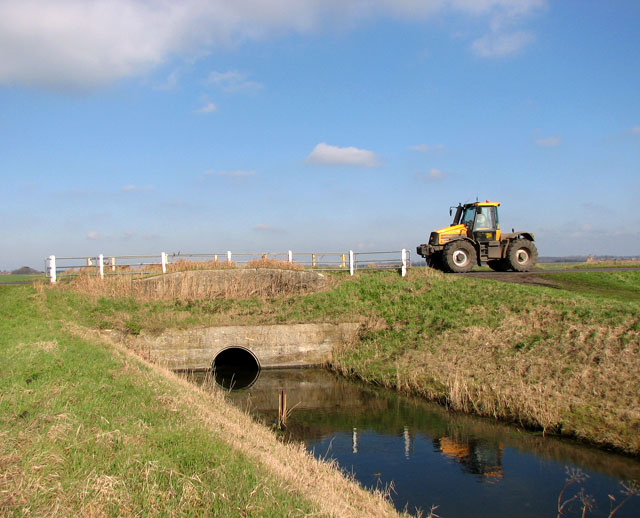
point(163, 258)
point(290, 256)
point(404, 262)
point(351, 262)
point(52, 268)
point(229, 255)
point(113, 264)
point(101, 265)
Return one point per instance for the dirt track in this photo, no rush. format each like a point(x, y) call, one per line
point(537, 277)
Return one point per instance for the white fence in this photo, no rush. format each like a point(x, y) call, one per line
point(106, 265)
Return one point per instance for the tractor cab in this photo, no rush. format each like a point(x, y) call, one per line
point(480, 220)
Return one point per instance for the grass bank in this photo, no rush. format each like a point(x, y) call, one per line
point(87, 428)
point(565, 361)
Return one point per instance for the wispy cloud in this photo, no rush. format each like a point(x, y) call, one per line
point(332, 155)
point(207, 107)
point(269, 229)
point(425, 148)
point(239, 173)
point(131, 188)
point(233, 81)
point(93, 235)
point(501, 44)
point(635, 130)
point(434, 175)
point(170, 83)
point(549, 141)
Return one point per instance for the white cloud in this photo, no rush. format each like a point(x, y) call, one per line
point(170, 83)
point(262, 227)
point(332, 155)
point(207, 107)
point(85, 44)
point(436, 174)
point(501, 44)
point(240, 173)
point(635, 130)
point(93, 235)
point(233, 81)
point(424, 148)
point(549, 141)
point(131, 188)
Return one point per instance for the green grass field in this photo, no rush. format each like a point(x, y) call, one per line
point(623, 286)
point(11, 278)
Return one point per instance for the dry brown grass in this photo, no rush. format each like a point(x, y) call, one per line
point(265, 278)
point(583, 383)
point(183, 265)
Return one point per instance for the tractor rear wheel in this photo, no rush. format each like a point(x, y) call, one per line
point(459, 256)
point(499, 265)
point(522, 255)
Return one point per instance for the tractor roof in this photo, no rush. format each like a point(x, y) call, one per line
point(483, 204)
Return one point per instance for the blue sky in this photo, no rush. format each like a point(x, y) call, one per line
point(132, 126)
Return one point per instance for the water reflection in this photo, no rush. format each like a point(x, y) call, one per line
point(467, 466)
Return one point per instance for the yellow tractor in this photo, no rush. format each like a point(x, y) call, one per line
point(474, 237)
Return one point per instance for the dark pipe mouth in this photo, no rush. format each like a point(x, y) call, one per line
point(235, 368)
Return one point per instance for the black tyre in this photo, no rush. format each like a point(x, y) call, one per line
point(435, 261)
point(522, 255)
point(499, 265)
point(459, 256)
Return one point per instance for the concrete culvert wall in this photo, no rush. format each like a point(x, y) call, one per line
point(235, 368)
point(273, 346)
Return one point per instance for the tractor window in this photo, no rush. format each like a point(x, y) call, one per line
point(485, 219)
point(468, 216)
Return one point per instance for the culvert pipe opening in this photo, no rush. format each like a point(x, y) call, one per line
point(235, 368)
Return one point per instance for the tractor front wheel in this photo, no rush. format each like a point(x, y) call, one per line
point(435, 261)
point(522, 255)
point(459, 256)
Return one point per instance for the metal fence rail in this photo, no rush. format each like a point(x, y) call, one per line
point(154, 264)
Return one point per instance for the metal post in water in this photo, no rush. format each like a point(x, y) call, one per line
point(407, 442)
point(282, 410)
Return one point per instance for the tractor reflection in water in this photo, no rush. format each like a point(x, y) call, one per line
point(475, 457)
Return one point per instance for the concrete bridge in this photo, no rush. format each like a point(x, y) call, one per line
point(260, 347)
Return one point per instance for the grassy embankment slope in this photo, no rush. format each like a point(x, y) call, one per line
point(561, 360)
point(87, 428)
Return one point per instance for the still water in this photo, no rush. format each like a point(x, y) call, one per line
point(466, 466)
